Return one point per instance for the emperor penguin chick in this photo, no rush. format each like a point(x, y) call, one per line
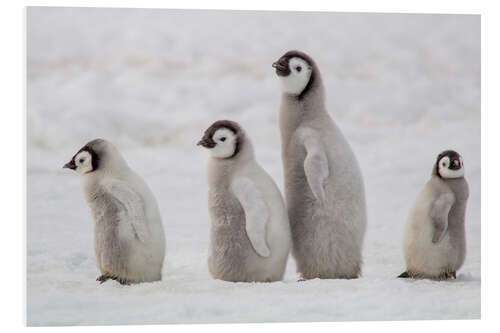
point(129, 241)
point(324, 188)
point(434, 241)
point(250, 233)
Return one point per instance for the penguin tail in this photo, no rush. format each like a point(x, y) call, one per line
point(404, 275)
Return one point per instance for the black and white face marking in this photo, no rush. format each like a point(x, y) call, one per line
point(221, 139)
point(222, 144)
point(294, 74)
point(450, 165)
point(84, 161)
point(225, 143)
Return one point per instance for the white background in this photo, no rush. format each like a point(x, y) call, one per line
point(485, 217)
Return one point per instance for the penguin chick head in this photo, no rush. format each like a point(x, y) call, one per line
point(222, 139)
point(449, 164)
point(295, 71)
point(87, 158)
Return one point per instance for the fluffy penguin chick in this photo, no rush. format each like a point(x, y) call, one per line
point(250, 233)
point(324, 188)
point(129, 241)
point(434, 242)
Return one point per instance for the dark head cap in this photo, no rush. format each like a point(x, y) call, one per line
point(94, 149)
point(448, 167)
point(208, 141)
point(282, 66)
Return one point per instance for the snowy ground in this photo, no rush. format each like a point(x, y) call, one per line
point(401, 87)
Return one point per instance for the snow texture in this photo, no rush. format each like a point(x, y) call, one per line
point(401, 87)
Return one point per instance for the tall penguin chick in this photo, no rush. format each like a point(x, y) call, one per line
point(129, 241)
point(323, 184)
point(434, 242)
point(250, 233)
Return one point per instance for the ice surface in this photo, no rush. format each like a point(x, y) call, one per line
point(401, 87)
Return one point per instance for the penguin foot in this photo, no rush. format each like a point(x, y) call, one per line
point(301, 280)
point(103, 278)
point(446, 276)
point(121, 281)
point(404, 275)
point(441, 277)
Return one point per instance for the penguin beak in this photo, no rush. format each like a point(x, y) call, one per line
point(205, 143)
point(70, 165)
point(281, 69)
point(455, 165)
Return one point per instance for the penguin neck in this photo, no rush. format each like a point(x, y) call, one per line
point(115, 166)
point(112, 166)
point(222, 169)
point(307, 107)
point(245, 153)
point(459, 187)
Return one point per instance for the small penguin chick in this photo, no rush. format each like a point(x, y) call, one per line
point(294, 73)
point(324, 187)
point(434, 242)
point(221, 139)
point(129, 242)
point(450, 165)
point(249, 230)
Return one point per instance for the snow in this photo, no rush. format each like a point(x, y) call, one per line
point(401, 87)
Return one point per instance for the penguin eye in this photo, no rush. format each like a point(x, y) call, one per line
point(81, 160)
point(223, 139)
point(298, 68)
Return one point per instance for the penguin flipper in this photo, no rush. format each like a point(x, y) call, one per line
point(315, 165)
point(256, 213)
point(131, 208)
point(404, 275)
point(439, 211)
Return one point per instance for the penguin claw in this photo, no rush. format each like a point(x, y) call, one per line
point(102, 279)
point(124, 282)
point(404, 275)
point(121, 281)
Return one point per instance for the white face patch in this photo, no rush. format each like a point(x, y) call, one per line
point(446, 172)
point(83, 162)
point(300, 73)
point(225, 141)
